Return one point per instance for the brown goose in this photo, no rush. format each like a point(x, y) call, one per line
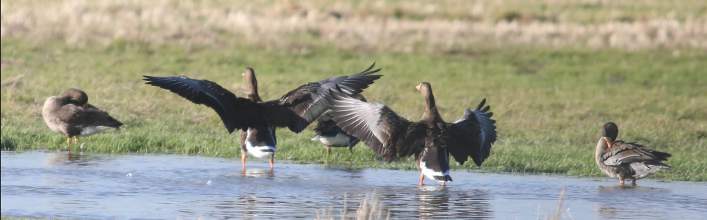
point(626, 160)
point(431, 139)
point(331, 135)
point(71, 115)
point(257, 119)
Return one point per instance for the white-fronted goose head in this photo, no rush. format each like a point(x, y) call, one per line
point(331, 135)
point(431, 139)
point(250, 84)
point(71, 115)
point(294, 110)
point(624, 160)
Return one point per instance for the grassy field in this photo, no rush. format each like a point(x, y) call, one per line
point(549, 100)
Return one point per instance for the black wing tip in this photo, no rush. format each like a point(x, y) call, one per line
point(662, 155)
point(114, 123)
point(148, 79)
point(482, 104)
point(369, 71)
point(155, 80)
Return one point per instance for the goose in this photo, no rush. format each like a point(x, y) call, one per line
point(259, 141)
point(626, 160)
point(258, 119)
point(331, 135)
point(431, 139)
point(71, 115)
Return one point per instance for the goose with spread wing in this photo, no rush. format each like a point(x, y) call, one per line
point(331, 135)
point(258, 119)
point(71, 115)
point(431, 139)
point(625, 160)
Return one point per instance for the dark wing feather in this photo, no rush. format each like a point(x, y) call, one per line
point(87, 115)
point(626, 153)
point(235, 112)
point(309, 101)
point(376, 125)
point(472, 135)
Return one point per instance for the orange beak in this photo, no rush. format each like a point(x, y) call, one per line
point(608, 143)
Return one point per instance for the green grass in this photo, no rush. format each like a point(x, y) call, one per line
point(549, 103)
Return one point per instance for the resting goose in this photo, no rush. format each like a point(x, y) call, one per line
point(256, 119)
point(431, 139)
point(71, 115)
point(626, 160)
point(331, 135)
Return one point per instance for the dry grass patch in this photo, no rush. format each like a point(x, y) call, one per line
point(447, 26)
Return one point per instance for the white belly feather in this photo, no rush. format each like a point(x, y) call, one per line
point(258, 151)
point(430, 173)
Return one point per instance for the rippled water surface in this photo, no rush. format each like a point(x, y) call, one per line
point(166, 186)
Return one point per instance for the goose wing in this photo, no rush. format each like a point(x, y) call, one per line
point(388, 134)
point(309, 101)
point(326, 124)
point(472, 135)
point(295, 110)
point(87, 115)
point(626, 153)
point(235, 112)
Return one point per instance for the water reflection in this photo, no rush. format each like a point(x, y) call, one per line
point(445, 202)
point(254, 172)
point(432, 202)
point(626, 202)
point(435, 202)
point(63, 158)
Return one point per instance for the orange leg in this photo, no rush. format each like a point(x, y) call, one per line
point(244, 157)
point(422, 179)
point(621, 181)
point(272, 161)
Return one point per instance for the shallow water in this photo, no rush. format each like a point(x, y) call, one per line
point(167, 186)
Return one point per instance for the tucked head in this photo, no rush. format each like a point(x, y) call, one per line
point(76, 96)
point(611, 131)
